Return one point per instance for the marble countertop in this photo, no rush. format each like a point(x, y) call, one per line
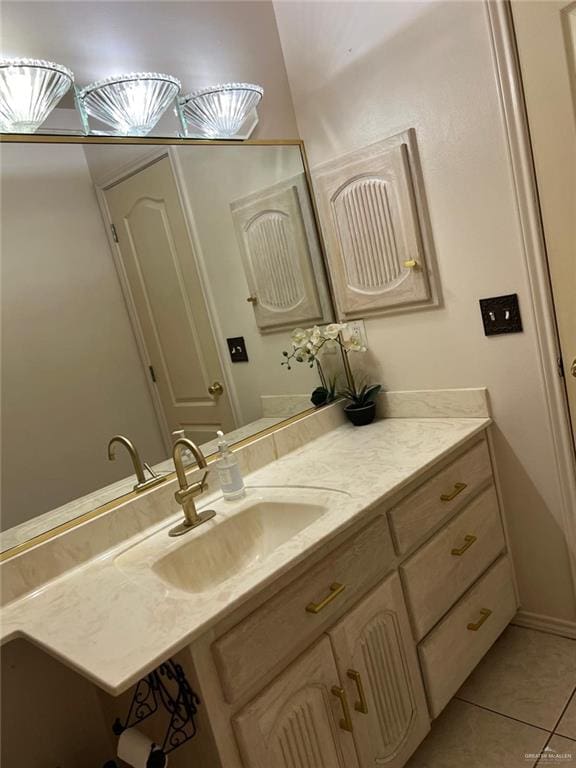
point(113, 628)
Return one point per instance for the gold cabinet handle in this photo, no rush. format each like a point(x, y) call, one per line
point(468, 541)
point(345, 722)
point(411, 264)
point(252, 299)
point(474, 626)
point(360, 705)
point(335, 590)
point(216, 389)
point(458, 488)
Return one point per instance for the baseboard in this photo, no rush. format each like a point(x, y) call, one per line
point(545, 624)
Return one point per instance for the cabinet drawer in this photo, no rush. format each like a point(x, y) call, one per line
point(456, 645)
point(255, 646)
point(443, 569)
point(436, 499)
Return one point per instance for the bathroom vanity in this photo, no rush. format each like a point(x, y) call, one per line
point(325, 619)
point(346, 659)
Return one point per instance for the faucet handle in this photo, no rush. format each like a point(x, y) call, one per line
point(150, 470)
point(203, 480)
point(192, 490)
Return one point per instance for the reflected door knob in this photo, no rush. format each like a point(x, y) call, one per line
point(216, 389)
point(573, 368)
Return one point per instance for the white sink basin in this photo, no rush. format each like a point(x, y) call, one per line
point(242, 534)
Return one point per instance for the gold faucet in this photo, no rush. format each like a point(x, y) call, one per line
point(187, 493)
point(142, 484)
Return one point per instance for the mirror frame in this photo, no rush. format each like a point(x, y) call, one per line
point(47, 138)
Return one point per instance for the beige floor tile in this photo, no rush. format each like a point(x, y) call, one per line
point(465, 736)
point(527, 674)
point(559, 751)
point(567, 726)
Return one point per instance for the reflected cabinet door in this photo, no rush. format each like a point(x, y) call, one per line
point(372, 209)
point(280, 255)
point(377, 664)
point(300, 720)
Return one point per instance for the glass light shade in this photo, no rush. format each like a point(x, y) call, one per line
point(29, 91)
point(220, 110)
point(130, 104)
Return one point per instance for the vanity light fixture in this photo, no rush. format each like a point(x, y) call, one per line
point(130, 104)
point(220, 111)
point(29, 91)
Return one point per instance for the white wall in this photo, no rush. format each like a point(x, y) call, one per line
point(71, 374)
point(360, 71)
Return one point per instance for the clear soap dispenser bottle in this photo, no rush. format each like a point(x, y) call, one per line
point(229, 472)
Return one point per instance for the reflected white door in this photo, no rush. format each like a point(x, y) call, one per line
point(166, 293)
point(546, 36)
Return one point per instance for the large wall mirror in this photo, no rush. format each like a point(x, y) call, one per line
point(147, 289)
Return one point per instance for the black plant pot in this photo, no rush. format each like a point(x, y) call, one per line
point(361, 416)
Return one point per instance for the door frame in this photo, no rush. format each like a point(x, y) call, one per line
point(515, 117)
point(122, 173)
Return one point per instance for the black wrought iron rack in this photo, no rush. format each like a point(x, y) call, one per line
point(166, 686)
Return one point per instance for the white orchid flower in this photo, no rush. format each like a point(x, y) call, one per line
point(332, 330)
point(299, 337)
point(354, 345)
point(316, 336)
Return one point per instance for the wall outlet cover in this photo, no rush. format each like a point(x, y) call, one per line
point(356, 330)
point(501, 314)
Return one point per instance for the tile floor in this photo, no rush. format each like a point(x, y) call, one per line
point(516, 710)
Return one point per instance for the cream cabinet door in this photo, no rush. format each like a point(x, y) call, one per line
point(378, 666)
point(280, 255)
point(373, 213)
point(299, 721)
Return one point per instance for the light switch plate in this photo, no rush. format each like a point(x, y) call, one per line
point(501, 314)
point(237, 349)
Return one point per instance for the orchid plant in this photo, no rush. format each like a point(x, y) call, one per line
point(307, 344)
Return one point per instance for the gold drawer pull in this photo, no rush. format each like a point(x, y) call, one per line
point(360, 705)
point(335, 590)
point(411, 264)
point(458, 488)
point(484, 614)
point(468, 541)
point(345, 722)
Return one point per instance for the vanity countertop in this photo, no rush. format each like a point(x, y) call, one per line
point(113, 629)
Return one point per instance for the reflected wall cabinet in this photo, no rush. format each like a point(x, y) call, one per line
point(280, 254)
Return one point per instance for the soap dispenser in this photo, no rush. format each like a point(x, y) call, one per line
point(229, 472)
